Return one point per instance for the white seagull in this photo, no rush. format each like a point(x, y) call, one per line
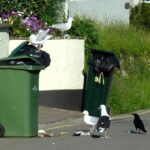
point(104, 121)
point(63, 26)
point(90, 120)
point(40, 37)
point(42, 34)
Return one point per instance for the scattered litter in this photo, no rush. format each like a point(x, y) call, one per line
point(95, 134)
point(81, 133)
point(132, 131)
point(62, 133)
point(43, 133)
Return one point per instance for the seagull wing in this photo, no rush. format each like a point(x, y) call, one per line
point(63, 26)
point(103, 122)
point(60, 26)
point(42, 35)
point(93, 119)
point(90, 120)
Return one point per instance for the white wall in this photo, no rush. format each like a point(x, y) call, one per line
point(101, 10)
point(67, 63)
point(4, 42)
point(135, 2)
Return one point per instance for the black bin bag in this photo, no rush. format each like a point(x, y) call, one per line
point(104, 62)
point(25, 49)
point(31, 51)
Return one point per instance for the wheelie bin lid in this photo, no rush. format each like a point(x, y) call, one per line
point(103, 62)
point(21, 63)
point(18, 48)
point(23, 67)
point(108, 56)
point(31, 52)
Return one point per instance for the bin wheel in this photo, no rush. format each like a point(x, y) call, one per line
point(2, 131)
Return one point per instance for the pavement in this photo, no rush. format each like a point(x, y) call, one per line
point(54, 118)
point(63, 123)
point(51, 115)
point(50, 118)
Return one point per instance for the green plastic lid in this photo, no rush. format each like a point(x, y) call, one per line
point(23, 67)
point(8, 62)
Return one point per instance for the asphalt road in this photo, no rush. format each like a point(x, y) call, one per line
point(119, 139)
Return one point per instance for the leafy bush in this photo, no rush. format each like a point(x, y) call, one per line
point(48, 10)
point(34, 11)
point(130, 87)
point(22, 26)
point(84, 27)
point(140, 15)
point(122, 38)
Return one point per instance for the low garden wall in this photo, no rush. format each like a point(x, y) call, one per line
point(62, 81)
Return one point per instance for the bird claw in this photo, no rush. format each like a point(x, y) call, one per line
point(66, 36)
point(105, 137)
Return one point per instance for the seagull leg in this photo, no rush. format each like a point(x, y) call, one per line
point(63, 35)
point(92, 128)
point(105, 136)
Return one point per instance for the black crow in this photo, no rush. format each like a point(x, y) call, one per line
point(138, 123)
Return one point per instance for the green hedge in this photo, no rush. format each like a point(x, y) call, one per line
point(140, 15)
point(122, 38)
point(130, 87)
point(48, 10)
point(87, 28)
point(27, 17)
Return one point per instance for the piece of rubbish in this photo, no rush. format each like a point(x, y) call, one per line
point(95, 134)
point(62, 133)
point(80, 133)
point(53, 143)
point(132, 131)
point(43, 133)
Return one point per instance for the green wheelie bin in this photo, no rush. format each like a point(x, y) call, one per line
point(19, 78)
point(19, 99)
point(98, 80)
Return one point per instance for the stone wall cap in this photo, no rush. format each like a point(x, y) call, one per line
point(4, 25)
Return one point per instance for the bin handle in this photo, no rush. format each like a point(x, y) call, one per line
point(100, 79)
